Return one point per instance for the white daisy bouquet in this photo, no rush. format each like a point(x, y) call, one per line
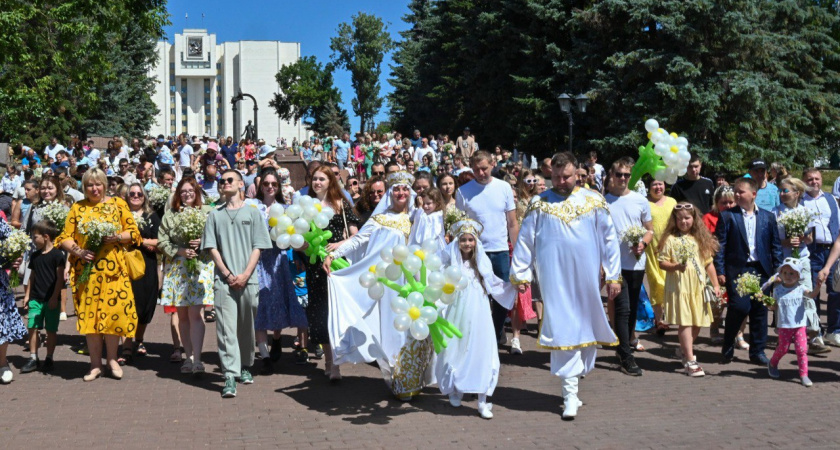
point(684, 250)
point(95, 231)
point(12, 248)
point(190, 226)
point(212, 200)
point(632, 236)
point(748, 284)
point(796, 222)
point(55, 212)
point(139, 219)
point(158, 196)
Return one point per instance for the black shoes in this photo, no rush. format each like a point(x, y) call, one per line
point(629, 366)
point(48, 365)
point(30, 366)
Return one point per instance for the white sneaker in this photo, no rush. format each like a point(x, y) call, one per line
point(515, 348)
point(6, 375)
point(832, 339)
point(484, 410)
point(570, 406)
point(455, 400)
point(62, 316)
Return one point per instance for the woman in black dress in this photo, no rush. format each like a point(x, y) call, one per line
point(146, 288)
point(324, 186)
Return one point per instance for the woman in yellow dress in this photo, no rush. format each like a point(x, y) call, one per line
point(104, 303)
point(660, 210)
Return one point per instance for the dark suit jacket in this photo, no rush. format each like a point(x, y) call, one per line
point(734, 247)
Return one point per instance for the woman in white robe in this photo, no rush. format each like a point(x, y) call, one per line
point(470, 364)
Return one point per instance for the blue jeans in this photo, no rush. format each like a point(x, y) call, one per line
point(819, 253)
point(501, 268)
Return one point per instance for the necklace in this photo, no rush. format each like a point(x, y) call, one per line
point(227, 211)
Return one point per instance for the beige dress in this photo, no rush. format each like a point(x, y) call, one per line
point(684, 303)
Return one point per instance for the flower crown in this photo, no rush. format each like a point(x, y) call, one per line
point(465, 226)
point(401, 177)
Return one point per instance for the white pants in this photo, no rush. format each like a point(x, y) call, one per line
point(573, 363)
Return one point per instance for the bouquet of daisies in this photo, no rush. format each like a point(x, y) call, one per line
point(796, 222)
point(452, 215)
point(158, 196)
point(141, 221)
point(212, 200)
point(95, 231)
point(632, 236)
point(189, 223)
point(684, 250)
point(15, 245)
point(748, 284)
point(55, 212)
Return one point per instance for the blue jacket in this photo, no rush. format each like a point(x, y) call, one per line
point(734, 246)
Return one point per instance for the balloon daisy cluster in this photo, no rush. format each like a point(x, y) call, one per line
point(427, 282)
point(665, 156)
point(302, 226)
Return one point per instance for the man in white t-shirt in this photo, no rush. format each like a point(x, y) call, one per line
point(186, 153)
point(422, 151)
point(52, 150)
point(489, 201)
point(628, 209)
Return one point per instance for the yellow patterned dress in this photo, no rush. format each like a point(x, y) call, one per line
point(105, 303)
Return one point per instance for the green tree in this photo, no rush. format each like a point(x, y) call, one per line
point(332, 120)
point(306, 93)
point(359, 48)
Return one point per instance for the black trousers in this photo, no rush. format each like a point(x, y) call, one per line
point(625, 306)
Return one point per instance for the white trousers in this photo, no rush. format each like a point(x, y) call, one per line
point(573, 363)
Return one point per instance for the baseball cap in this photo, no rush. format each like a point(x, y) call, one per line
point(757, 163)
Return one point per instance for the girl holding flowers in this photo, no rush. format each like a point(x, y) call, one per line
point(104, 301)
point(685, 254)
point(186, 290)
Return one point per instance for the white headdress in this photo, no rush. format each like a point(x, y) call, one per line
point(400, 178)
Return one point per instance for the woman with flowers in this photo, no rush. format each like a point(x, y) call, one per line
point(146, 288)
point(104, 301)
point(188, 290)
point(50, 192)
point(661, 207)
point(11, 325)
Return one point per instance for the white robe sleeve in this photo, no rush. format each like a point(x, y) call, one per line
point(357, 241)
point(610, 252)
point(521, 266)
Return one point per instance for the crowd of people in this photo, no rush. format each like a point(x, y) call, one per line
point(536, 239)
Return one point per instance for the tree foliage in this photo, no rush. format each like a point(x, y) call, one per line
point(360, 47)
point(739, 78)
point(57, 59)
point(307, 93)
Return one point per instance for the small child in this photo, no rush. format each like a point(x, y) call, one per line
point(685, 253)
point(428, 222)
point(470, 364)
point(43, 293)
point(790, 298)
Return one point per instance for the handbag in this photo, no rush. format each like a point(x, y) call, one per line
point(135, 264)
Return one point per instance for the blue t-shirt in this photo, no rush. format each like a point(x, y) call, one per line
point(229, 152)
point(768, 197)
point(298, 276)
point(342, 149)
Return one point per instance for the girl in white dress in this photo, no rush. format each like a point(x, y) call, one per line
point(470, 364)
point(427, 222)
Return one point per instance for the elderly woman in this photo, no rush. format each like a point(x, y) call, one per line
point(105, 301)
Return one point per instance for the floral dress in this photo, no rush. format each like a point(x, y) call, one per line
point(11, 325)
point(181, 288)
point(105, 303)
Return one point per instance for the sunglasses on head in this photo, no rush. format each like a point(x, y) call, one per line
point(684, 206)
point(228, 180)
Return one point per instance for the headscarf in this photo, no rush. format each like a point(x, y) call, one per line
point(400, 178)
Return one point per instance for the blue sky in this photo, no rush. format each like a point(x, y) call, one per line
point(312, 23)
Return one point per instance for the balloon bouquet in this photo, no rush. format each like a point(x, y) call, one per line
point(304, 222)
point(665, 156)
point(415, 304)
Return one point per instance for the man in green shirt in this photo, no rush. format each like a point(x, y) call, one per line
point(235, 233)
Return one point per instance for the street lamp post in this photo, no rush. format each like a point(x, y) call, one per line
point(236, 98)
point(566, 106)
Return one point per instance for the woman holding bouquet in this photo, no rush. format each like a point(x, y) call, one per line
point(11, 325)
point(188, 290)
point(104, 300)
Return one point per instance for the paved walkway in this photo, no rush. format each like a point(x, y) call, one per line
point(154, 406)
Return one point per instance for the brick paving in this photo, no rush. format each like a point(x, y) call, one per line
point(154, 406)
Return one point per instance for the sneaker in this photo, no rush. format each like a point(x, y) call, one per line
point(267, 366)
point(319, 351)
point(485, 411)
point(503, 340)
point(693, 369)
point(815, 348)
point(515, 348)
point(245, 377)
point(832, 339)
point(48, 365)
point(30, 366)
point(229, 391)
point(302, 357)
point(6, 375)
point(62, 317)
point(772, 371)
point(629, 366)
point(807, 382)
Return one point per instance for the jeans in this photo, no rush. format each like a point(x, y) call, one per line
point(819, 253)
point(501, 268)
point(625, 306)
point(739, 308)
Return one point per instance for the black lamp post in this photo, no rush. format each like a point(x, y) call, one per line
point(236, 98)
point(566, 106)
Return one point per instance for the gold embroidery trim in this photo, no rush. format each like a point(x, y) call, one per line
point(400, 223)
point(568, 211)
point(517, 281)
point(573, 347)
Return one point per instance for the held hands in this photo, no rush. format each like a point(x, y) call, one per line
point(522, 288)
point(613, 289)
point(822, 276)
point(327, 263)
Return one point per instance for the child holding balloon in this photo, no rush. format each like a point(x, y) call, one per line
point(471, 364)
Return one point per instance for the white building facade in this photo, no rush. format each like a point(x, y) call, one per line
point(196, 79)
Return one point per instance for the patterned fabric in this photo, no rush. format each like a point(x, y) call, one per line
point(409, 371)
point(11, 325)
point(105, 303)
point(798, 337)
point(181, 288)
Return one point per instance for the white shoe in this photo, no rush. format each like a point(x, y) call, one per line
point(62, 317)
point(6, 375)
point(571, 402)
point(485, 410)
point(455, 400)
point(515, 348)
point(832, 339)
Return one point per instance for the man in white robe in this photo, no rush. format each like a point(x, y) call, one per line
point(566, 238)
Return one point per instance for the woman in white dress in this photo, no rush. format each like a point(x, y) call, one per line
point(470, 364)
point(361, 331)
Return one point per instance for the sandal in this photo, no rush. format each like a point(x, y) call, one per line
point(637, 346)
point(140, 350)
point(176, 356)
point(741, 343)
point(210, 316)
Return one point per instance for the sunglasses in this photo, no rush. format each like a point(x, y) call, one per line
point(785, 191)
point(269, 184)
point(622, 174)
point(379, 173)
point(228, 180)
point(530, 181)
point(135, 194)
point(687, 206)
point(354, 183)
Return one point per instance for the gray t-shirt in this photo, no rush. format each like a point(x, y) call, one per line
point(235, 234)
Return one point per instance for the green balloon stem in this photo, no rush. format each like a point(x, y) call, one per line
point(423, 274)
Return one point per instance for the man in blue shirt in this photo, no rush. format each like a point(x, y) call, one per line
point(29, 157)
point(342, 150)
point(768, 194)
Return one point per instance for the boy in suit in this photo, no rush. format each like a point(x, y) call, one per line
point(749, 242)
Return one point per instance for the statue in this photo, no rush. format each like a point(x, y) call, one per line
point(249, 132)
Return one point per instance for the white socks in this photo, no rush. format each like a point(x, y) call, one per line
point(263, 346)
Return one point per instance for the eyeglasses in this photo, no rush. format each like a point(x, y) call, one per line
point(135, 194)
point(686, 206)
point(228, 180)
point(530, 181)
point(622, 174)
point(187, 193)
point(269, 184)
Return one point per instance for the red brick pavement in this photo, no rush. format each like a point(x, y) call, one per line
point(154, 406)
